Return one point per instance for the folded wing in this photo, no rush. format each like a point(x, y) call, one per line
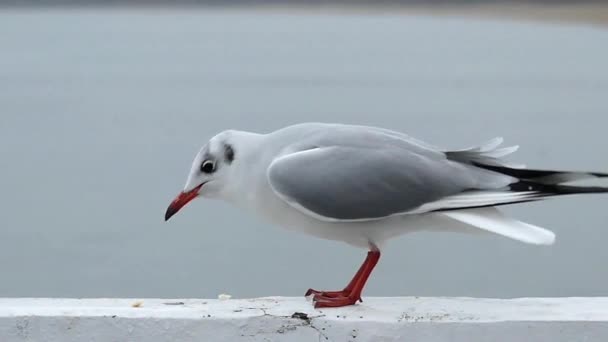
point(337, 183)
point(351, 176)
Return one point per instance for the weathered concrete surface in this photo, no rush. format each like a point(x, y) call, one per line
point(270, 319)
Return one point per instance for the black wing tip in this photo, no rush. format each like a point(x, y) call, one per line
point(533, 175)
point(599, 174)
point(544, 190)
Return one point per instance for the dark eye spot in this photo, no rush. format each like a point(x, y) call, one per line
point(228, 153)
point(208, 166)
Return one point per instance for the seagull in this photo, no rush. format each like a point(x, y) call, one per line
point(366, 185)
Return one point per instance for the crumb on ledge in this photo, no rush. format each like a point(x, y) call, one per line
point(224, 296)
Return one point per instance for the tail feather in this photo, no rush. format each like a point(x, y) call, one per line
point(492, 220)
point(530, 184)
point(487, 153)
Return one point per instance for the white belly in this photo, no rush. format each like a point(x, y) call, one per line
point(370, 234)
point(364, 234)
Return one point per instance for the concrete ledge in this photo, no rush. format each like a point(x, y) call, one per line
point(294, 319)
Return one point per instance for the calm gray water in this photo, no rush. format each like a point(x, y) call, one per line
point(101, 113)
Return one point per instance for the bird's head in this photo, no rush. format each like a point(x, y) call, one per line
point(209, 173)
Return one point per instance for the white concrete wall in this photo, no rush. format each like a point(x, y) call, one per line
point(270, 319)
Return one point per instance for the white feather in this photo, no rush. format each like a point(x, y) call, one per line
point(473, 199)
point(487, 153)
point(501, 152)
point(487, 146)
point(490, 219)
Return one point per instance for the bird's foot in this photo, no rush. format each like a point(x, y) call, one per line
point(327, 294)
point(334, 302)
point(332, 299)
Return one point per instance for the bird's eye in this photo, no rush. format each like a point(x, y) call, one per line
point(208, 166)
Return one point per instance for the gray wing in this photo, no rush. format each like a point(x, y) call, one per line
point(335, 183)
point(309, 135)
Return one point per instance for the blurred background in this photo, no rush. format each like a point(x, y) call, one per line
point(102, 108)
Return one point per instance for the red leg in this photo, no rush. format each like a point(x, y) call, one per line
point(355, 294)
point(346, 290)
point(352, 292)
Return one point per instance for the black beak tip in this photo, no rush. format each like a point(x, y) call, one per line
point(170, 212)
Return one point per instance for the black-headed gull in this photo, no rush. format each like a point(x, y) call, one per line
point(365, 185)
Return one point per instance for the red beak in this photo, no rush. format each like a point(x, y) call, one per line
point(181, 200)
